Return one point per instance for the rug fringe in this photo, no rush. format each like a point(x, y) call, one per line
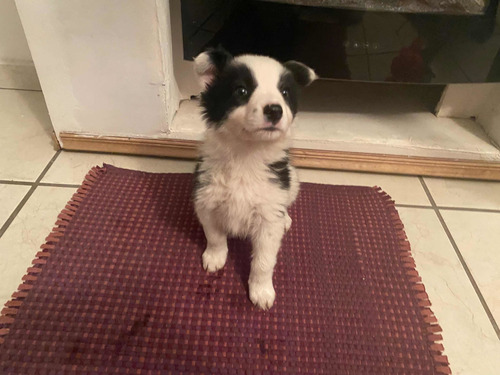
point(8, 313)
point(433, 329)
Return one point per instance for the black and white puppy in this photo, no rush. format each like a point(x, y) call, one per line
point(244, 183)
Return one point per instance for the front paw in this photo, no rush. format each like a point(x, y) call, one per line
point(214, 260)
point(262, 295)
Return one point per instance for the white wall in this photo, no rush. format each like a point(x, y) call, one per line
point(489, 114)
point(13, 46)
point(104, 66)
point(478, 100)
point(464, 100)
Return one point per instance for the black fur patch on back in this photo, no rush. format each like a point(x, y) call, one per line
point(287, 82)
point(281, 170)
point(221, 97)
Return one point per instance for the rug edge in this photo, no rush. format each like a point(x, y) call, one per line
point(11, 307)
point(434, 330)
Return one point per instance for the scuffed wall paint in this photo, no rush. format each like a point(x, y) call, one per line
point(169, 89)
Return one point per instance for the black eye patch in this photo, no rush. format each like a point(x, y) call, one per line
point(232, 88)
point(289, 90)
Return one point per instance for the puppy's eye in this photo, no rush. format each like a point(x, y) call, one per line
point(241, 91)
point(285, 93)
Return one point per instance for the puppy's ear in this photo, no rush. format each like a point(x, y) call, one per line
point(302, 74)
point(208, 64)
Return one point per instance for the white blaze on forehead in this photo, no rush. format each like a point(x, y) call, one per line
point(265, 70)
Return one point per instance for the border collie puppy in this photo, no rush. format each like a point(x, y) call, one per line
point(244, 182)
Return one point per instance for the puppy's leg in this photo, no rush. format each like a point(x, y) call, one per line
point(266, 243)
point(215, 255)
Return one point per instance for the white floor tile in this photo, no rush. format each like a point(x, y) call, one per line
point(403, 189)
point(465, 193)
point(71, 167)
point(10, 196)
point(28, 231)
point(470, 341)
point(26, 145)
point(477, 235)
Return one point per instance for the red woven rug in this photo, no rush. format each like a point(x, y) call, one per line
point(119, 289)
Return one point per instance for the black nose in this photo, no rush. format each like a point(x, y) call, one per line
point(273, 113)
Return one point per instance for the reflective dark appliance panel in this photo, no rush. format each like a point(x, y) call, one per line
point(422, 41)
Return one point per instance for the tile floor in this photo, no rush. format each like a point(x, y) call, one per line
point(453, 225)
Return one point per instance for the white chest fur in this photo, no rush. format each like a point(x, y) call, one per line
point(242, 199)
point(240, 190)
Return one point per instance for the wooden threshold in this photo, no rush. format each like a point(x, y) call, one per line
point(310, 158)
point(124, 145)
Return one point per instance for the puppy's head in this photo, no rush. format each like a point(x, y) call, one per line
point(251, 97)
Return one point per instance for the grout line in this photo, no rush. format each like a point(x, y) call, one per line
point(461, 259)
point(11, 182)
point(469, 209)
point(447, 208)
point(14, 89)
point(58, 185)
point(21, 204)
point(25, 183)
point(413, 206)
